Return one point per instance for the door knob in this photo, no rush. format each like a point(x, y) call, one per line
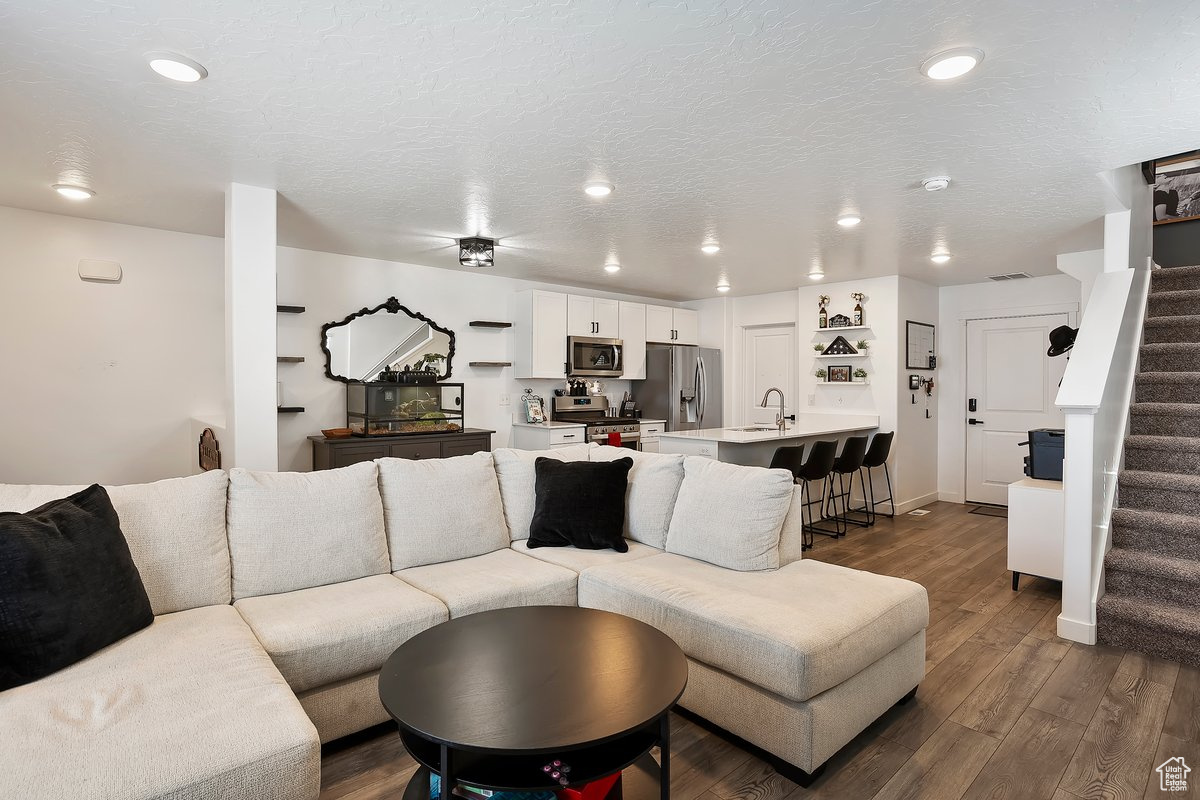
point(973, 421)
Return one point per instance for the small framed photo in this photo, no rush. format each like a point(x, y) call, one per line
point(533, 410)
point(839, 374)
point(629, 408)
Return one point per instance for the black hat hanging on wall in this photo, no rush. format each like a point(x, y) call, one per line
point(1062, 339)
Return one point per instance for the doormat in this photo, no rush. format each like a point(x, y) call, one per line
point(920, 512)
point(990, 511)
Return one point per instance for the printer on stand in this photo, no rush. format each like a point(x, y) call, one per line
point(1045, 459)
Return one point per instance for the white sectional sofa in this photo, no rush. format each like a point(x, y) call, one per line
point(278, 596)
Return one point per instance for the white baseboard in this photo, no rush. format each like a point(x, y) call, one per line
point(1076, 631)
point(908, 505)
point(950, 497)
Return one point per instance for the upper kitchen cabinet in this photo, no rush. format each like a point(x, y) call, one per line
point(592, 316)
point(540, 335)
point(672, 325)
point(633, 336)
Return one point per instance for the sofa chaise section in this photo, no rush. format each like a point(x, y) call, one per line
point(190, 707)
point(778, 641)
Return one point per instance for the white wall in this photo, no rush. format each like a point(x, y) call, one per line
point(332, 286)
point(102, 379)
point(956, 305)
point(916, 441)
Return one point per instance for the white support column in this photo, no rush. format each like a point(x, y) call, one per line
point(250, 351)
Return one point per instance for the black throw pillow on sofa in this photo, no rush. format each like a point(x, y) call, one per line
point(68, 586)
point(580, 504)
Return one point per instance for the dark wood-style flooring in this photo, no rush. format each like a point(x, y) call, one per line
point(1007, 709)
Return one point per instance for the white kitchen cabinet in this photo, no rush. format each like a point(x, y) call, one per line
point(672, 325)
point(592, 316)
point(555, 436)
point(540, 332)
point(632, 329)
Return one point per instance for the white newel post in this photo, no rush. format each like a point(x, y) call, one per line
point(250, 352)
point(1077, 621)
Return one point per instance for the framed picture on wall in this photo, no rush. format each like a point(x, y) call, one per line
point(1177, 189)
point(839, 374)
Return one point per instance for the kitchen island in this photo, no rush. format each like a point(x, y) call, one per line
point(754, 445)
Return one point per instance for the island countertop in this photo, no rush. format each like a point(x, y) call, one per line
point(805, 426)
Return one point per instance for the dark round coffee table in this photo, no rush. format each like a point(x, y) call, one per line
point(489, 699)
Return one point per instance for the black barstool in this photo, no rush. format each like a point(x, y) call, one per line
point(877, 456)
point(817, 468)
point(848, 463)
point(790, 458)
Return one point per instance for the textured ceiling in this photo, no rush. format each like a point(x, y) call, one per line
point(390, 128)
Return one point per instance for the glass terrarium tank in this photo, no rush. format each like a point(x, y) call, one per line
point(391, 409)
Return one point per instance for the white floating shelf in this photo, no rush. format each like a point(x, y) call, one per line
point(854, 355)
point(855, 382)
point(847, 328)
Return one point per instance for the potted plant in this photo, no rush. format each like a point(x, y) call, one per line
point(862, 344)
point(820, 374)
point(860, 374)
point(820, 348)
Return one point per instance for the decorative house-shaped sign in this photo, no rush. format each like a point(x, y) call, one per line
point(839, 347)
point(839, 321)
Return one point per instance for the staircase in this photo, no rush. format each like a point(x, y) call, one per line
point(1152, 572)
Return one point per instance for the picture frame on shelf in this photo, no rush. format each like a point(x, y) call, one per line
point(1177, 189)
point(839, 374)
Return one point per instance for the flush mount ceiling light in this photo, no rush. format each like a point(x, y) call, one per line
point(73, 192)
point(476, 251)
point(598, 188)
point(940, 258)
point(951, 63)
point(936, 184)
point(612, 267)
point(816, 274)
point(709, 248)
point(849, 220)
point(723, 287)
point(176, 67)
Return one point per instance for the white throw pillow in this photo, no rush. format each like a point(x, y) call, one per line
point(653, 486)
point(175, 529)
point(294, 530)
point(730, 515)
point(441, 509)
point(514, 468)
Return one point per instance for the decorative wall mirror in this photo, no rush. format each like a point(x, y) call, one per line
point(919, 345)
point(371, 340)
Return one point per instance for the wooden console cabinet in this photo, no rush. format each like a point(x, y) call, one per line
point(334, 453)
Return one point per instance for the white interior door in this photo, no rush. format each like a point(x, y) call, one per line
point(770, 361)
point(1012, 383)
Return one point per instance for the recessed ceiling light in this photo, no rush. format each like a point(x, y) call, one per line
point(611, 267)
point(816, 275)
point(176, 67)
point(710, 248)
point(849, 220)
point(598, 188)
point(940, 258)
point(936, 184)
point(723, 287)
point(73, 192)
point(951, 63)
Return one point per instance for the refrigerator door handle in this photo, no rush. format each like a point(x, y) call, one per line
point(702, 387)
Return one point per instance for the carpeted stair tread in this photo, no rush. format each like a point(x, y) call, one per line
point(1185, 328)
point(1154, 565)
point(1161, 532)
point(1170, 377)
point(1175, 278)
point(1178, 483)
point(1170, 357)
point(1174, 454)
point(1159, 491)
point(1166, 409)
point(1167, 387)
point(1173, 303)
point(1163, 629)
point(1175, 444)
point(1181, 321)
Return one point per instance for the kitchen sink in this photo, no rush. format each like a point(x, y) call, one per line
point(755, 429)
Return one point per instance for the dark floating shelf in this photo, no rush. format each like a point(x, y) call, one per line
point(291, 409)
point(290, 309)
point(489, 363)
point(483, 323)
point(290, 359)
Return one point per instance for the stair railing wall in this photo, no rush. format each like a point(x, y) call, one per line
point(1095, 396)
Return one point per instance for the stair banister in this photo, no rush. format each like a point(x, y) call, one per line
point(1095, 395)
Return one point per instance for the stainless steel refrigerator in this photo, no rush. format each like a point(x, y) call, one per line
point(682, 386)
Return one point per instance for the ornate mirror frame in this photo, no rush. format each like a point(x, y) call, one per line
point(392, 306)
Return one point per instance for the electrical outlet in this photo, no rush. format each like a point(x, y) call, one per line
point(504, 401)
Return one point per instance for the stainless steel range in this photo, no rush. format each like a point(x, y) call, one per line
point(593, 412)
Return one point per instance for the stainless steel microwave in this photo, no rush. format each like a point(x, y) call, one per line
point(588, 357)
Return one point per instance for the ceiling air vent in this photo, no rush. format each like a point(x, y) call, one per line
point(1011, 276)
